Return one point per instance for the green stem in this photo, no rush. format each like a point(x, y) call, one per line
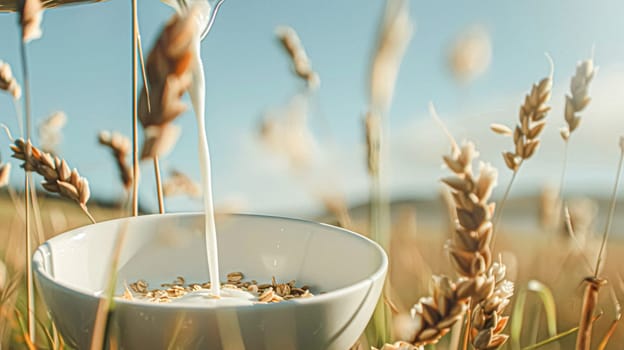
point(378, 328)
point(551, 339)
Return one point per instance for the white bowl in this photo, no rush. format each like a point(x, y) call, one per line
point(71, 269)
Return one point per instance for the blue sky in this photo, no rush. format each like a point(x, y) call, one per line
point(82, 65)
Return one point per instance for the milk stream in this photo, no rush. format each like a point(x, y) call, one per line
point(198, 99)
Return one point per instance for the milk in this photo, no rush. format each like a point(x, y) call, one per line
point(198, 98)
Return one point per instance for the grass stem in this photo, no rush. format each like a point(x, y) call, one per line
point(30, 311)
point(87, 213)
point(159, 189)
point(135, 136)
point(607, 230)
point(499, 212)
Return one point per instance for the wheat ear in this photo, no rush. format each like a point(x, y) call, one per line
point(58, 177)
point(470, 248)
point(526, 134)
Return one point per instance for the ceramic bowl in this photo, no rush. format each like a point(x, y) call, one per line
point(345, 270)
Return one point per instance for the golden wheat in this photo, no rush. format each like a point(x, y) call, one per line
point(531, 124)
point(470, 247)
point(487, 320)
point(58, 177)
point(432, 317)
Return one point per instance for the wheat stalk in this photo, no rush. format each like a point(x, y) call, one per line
point(526, 134)
point(594, 283)
point(58, 177)
point(576, 102)
point(135, 112)
point(531, 124)
point(30, 14)
point(578, 99)
point(481, 283)
point(168, 72)
point(291, 43)
point(470, 247)
point(395, 33)
point(120, 147)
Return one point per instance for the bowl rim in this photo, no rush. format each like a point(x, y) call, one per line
point(380, 272)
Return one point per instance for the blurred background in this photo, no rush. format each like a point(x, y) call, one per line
point(280, 148)
point(82, 66)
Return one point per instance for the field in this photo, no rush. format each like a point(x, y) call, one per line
point(419, 235)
